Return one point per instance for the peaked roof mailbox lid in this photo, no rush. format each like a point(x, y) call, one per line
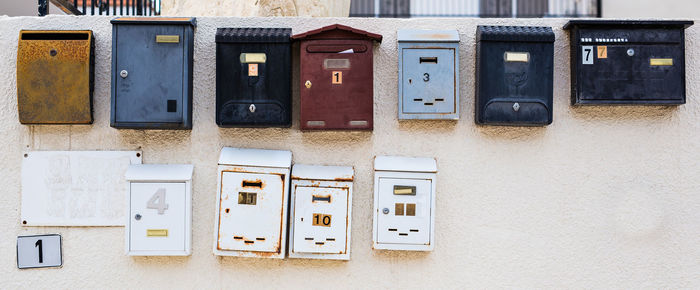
point(422, 35)
point(155, 20)
point(159, 172)
point(514, 33)
point(255, 157)
point(629, 23)
point(337, 31)
point(407, 164)
point(253, 35)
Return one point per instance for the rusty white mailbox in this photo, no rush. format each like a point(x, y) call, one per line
point(404, 203)
point(160, 210)
point(252, 203)
point(321, 212)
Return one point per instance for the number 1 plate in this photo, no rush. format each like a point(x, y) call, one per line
point(39, 251)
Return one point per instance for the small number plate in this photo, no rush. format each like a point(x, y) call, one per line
point(39, 251)
point(323, 220)
point(337, 78)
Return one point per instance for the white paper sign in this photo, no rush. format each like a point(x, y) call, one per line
point(39, 251)
point(75, 188)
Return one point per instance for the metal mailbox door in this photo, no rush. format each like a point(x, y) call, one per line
point(55, 77)
point(250, 213)
point(337, 84)
point(320, 219)
point(149, 74)
point(629, 72)
point(404, 211)
point(157, 216)
point(428, 80)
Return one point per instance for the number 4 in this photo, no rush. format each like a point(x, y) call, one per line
point(159, 196)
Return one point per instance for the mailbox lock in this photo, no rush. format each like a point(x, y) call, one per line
point(252, 108)
point(308, 84)
point(385, 210)
point(630, 52)
point(137, 217)
point(516, 107)
point(123, 73)
point(53, 52)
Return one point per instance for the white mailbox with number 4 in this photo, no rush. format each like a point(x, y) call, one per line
point(404, 203)
point(251, 207)
point(160, 210)
point(321, 212)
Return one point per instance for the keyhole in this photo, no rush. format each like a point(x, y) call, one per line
point(137, 217)
point(53, 52)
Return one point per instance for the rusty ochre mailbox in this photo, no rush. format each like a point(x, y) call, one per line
point(55, 71)
point(514, 75)
point(152, 72)
point(627, 62)
point(253, 77)
point(337, 87)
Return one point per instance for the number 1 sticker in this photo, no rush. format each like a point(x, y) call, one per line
point(587, 54)
point(337, 78)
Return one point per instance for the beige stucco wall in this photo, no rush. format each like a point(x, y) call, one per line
point(605, 197)
point(306, 8)
point(651, 8)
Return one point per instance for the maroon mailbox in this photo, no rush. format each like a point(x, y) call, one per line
point(337, 78)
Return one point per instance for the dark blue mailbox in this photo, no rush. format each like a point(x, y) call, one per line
point(152, 72)
point(253, 77)
point(514, 75)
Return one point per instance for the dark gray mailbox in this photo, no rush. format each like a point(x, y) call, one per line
point(514, 70)
point(627, 62)
point(253, 77)
point(152, 72)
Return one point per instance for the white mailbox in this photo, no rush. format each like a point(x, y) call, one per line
point(404, 203)
point(251, 207)
point(321, 212)
point(160, 210)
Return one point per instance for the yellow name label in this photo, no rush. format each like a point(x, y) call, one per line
point(157, 233)
point(253, 58)
point(167, 38)
point(661, 61)
point(517, 56)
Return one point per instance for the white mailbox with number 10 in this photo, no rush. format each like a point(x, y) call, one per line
point(160, 210)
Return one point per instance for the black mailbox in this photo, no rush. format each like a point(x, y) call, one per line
point(152, 72)
point(627, 62)
point(253, 77)
point(514, 70)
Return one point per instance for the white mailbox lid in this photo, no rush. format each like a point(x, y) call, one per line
point(255, 157)
point(407, 164)
point(421, 35)
point(319, 172)
point(159, 172)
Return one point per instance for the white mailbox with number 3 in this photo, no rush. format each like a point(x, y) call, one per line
point(160, 210)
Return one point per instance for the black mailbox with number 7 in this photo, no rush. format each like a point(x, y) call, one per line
point(627, 62)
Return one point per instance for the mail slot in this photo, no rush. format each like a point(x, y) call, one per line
point(620, 62)
point(514, 75)
point(428, 74)
point(152, 72)
point(253, 77)
point(337, 78)
point(55, 76)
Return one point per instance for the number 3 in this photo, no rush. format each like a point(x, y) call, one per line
point(159, 196)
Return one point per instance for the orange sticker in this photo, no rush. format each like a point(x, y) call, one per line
point(602, 52)
point(252, 69)
point(337, 77)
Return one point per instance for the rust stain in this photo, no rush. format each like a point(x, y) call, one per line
point(55, 76)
